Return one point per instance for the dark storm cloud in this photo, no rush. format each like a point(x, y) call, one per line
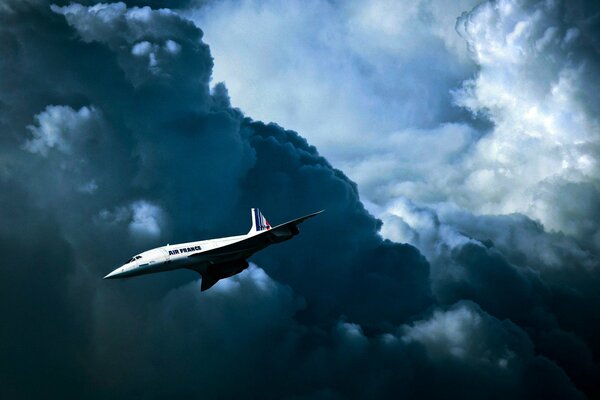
point(545, 282)
point(111, 130)
point(113, 143)
point(44, 329)
point(370, 280)
point(551, 310)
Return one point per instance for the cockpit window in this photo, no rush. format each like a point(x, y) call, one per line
point(133, 259)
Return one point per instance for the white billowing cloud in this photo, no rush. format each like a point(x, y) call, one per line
point(110, 22)
point(142, 48)
point(260, 280)
point(152, 52)
point(532, 81)
point(439, 229)
point(413, 162)
point(172, 46)
point(145, 219)
point(60, 128)
point(540, 159)
point(446, 332)
point(353, 77)
point(407, 222)
point(461, 333)
point(382, 88)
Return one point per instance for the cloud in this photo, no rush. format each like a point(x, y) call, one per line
point(509, 195)
point(120, 157)
point(37, 302)
point(58, 127)
point(169, 160)
point(146, 219)
point(450, 334)
point(537, 77)
point(464, 341)
point(352, 77)
point(142, 53)
point(526, 71)
point(479, 257)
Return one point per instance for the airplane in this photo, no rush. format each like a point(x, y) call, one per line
point(213, 259)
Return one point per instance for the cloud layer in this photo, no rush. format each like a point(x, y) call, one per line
point(396, 82)
point(114, 141)
point(527, 154)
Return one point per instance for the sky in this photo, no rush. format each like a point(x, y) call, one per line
point(453, 145)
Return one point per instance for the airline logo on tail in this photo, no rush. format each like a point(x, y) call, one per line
point(259, 222)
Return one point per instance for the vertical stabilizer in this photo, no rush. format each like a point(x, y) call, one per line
point(259, 222)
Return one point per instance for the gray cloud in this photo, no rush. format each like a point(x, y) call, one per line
point(534, 160)
point(112, 142)
point(513, 269)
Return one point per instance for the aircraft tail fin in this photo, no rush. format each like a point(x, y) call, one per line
point(259, 222)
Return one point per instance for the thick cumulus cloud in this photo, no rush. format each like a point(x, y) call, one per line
point(539, 84)
point(385, 90)
point(113, 142)
point(504, 198)
point(364, 81)
point(514, 269)
point(537, 166)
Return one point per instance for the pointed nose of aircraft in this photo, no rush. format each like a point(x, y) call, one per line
point(114, 274)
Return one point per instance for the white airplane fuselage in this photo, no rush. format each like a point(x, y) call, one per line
point(214, 259)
